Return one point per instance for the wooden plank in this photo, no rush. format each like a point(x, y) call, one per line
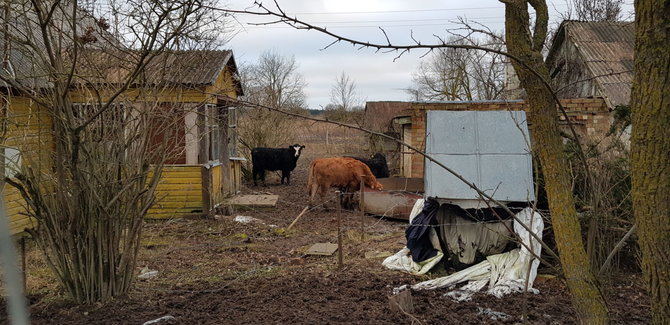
point(183, 187)
point(195, 174)
point(179, 194)
point(194, 205)
point(180, 199)
point(260, 201)
point(203, 138)
point(18, 226)
point(206, 190)
point(188, 168)
point(185, 181)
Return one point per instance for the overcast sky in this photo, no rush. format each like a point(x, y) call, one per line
point(377, 75)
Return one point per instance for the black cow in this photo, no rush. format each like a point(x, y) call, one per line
point(377, 165)
point(283, 159)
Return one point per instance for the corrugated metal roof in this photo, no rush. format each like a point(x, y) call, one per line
point(27, 64)
point(105, 60)
point(607, 49)
point(186, 68)
point(194, 68)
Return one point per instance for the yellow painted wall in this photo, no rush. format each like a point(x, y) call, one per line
point(224, 84)
point(29, 129)
point(217, 184)
point(165, 95)
point(179, 192)
point(235, 175)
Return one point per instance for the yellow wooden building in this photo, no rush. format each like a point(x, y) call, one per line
point(199, 87)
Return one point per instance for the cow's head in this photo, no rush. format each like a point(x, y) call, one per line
point(373, 184)
point(297, 148)
point(379, 156)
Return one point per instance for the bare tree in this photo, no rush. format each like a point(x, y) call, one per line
point(91, 183)
point(650, 143)
point(343, 94)
point(459, 74)
point(275, 81)
point(598, 10)
point(525, 40)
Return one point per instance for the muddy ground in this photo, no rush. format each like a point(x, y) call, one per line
point(225, 272)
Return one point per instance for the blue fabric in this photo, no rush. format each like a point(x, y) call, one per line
point(418, 240)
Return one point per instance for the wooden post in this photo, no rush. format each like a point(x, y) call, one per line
point(340, 262)
point(206, 176)
point(360, 206)
point(296, 218)
point(203, 135)
point(224, 157)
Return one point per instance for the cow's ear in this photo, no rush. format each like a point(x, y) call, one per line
point(302, 147)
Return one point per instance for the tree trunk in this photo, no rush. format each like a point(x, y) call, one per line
point(586, 296)
point(650, 145)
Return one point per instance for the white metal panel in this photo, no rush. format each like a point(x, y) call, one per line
point(446, 184)
point(461, 137)
point(488, 148)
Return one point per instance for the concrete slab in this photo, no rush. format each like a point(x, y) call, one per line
point(322, 249)
point(257, 201)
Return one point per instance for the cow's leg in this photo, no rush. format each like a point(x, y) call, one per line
point(254, 173)
point(313, 190)
point(287, 175)
point(262, 174)
point(342, 199)
point(323, 192)
point(347, 198)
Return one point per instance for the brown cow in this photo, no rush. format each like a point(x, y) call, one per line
point(343, 173)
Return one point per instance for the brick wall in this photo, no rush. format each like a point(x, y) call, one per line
point(589, 116)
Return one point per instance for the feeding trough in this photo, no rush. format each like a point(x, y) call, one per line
point(396, 200)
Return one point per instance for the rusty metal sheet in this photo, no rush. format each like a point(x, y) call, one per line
point(390, 204)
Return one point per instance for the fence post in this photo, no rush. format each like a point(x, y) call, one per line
point(339, 231)
point(360, 206)
point(206, 173)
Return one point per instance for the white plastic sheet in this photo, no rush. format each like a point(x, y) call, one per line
point(402, 260)
point(513, 271)
point(505, 273)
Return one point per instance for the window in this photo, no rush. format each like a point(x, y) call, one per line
point(11, 161)
point(109, 124)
